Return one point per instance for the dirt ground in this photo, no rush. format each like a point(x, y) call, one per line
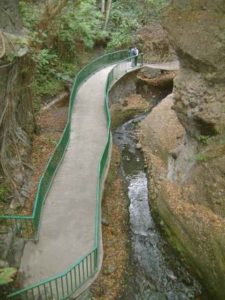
point(50, 125)
point(115, 230)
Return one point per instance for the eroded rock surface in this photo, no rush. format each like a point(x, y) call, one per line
point(9, 15)
point(196, 29)
point(187, 170)
point(186, 195)
point(16, 107)
point(154, 43)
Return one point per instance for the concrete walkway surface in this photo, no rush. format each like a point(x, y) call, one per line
point(67, 228)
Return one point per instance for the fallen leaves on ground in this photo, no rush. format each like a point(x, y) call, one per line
point(111, 280)
point(50, 124)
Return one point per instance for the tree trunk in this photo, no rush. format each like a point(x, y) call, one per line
point(16, 109)
point(108, 9)
point(103, 6)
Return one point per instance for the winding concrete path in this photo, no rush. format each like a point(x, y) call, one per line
point(68, 221)
point(67, 228)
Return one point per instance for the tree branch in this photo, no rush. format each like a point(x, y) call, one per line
point(2, 45)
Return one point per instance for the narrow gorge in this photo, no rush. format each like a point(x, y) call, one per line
point(161, 221)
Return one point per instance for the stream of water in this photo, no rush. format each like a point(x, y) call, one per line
point(153, 277)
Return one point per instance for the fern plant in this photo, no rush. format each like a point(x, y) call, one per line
point(80, 24)
point(7, 275)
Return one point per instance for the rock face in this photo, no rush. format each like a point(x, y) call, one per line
point(187, 194)
point(159, 137)
point(199, 39)
point(9, 16)
point(16, 106)
point(154, 43)
point(187, 170)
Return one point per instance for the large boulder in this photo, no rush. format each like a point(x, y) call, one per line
point(196, 30)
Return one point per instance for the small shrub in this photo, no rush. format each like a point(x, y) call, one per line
point(204, 139)
point(201, 157)
point(30, 14)
point(6, 275)
point(222, 140)
point(126, 18)
point(79, 24)
point(4, 191)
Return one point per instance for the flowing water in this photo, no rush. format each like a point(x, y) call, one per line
point(152, 277)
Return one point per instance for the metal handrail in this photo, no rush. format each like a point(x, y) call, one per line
point(28, 226)
point(65, 284)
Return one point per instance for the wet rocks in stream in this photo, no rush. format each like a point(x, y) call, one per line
point(153, 277)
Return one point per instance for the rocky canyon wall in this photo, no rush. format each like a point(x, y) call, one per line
point(187, 170)
point(16, 108)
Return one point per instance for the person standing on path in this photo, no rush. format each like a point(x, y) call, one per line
point(134, 53)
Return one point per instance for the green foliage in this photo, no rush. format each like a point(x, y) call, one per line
point(6, 275)
point(221, 139)
point(4, 191)
point(78, 27)
point(204, 139)
point(122, 116)
point(46, 81)
point(201, 157)
point(80, 24)
point(127, 17)
point(123, 24)
point(45, 86)
point(124, 35)
point(111, 176)
point(55, 51)
point(155, 6)
point(30, 14)
point(45, 59)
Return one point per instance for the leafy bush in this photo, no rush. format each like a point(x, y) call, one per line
point(123, 24)
point(80, 24)
point(73, 31)
point(154, 7)
point(45, 59)
point(30, 14)
point(201, 157)
point(56, 49)
point(6, 275)
point(4, 191)
point(127, 17)
point(204, 139)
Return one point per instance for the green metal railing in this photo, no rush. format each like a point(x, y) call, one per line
point(65, 284)
point(28, 226)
